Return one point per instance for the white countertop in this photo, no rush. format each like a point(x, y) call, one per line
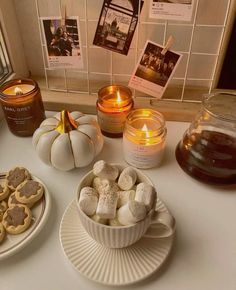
point(204, 253)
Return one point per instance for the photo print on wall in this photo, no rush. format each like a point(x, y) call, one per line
point(171, 9)
point(154, 69)
point(62, 39)
point(116, 25)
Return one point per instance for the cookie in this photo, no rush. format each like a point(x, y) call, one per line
point(17, 219)
point(4, 190)
point(2, 232)
point(16, 176)
point(13, 201)
point(29, 191)
point(3, 208)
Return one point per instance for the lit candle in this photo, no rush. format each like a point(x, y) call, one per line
point(144, 138)
point(18, 89)
point(22, 105)
point(113, 105)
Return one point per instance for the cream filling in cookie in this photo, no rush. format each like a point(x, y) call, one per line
point(17, 219)
point(4, 190)
point(13, 201)
point(3, 208)
point(16, 176)
point(29, 191)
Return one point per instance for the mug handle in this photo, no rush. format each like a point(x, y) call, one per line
point(162, 225)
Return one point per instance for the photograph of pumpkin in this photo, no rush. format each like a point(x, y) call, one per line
point(68, 140)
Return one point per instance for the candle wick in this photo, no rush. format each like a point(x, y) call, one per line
point(18, 91)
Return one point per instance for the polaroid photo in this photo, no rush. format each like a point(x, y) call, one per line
point(171, 9)
point(154, 69)
point(63, 42)
point(116, 25)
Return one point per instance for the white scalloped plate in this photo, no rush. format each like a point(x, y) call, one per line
point(110, 266)
point(40, 211)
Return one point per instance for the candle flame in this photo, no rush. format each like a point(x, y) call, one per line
point(118, 99)
point(145, 128)
point(18, 91)
point(146, 131)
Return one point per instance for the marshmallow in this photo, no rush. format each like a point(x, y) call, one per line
point(145, 193)
point(124, 197)
point(127, 178)
point(106, 207)
point(131, 213)
point(105, 170)
point(105, 186)
point(99, 220)
point(114, 222)
point(88, 200)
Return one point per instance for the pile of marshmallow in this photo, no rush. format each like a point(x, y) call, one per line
point(116, 198)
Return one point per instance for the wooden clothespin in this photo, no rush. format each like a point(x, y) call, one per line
point(169, 43)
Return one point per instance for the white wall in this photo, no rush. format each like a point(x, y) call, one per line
point(205, 45)
point(28, 24)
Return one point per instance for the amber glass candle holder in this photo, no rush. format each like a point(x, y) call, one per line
point(113, 105)
point(22, 105)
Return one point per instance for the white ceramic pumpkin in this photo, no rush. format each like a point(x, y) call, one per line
point(68, 140)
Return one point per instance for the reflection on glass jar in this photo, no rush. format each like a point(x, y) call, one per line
point(207, 151)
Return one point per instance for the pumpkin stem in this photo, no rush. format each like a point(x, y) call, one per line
point(66, 123)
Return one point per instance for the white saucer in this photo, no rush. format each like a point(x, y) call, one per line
point(110, 266)
point(40, 211)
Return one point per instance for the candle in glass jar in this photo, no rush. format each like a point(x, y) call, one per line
point(144, 138)
point(113, 105)
point(22, 106)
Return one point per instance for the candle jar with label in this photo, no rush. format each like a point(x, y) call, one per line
point(22, 105)
point(113, 105)
point(144, 138)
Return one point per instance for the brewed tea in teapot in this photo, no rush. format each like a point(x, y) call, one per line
point(207, 150)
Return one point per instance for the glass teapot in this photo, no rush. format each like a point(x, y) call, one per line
point(207, 150)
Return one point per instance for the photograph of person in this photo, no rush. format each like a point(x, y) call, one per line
point(61, 43)
point(156, 67)
point(62, 40)
point(116, 25)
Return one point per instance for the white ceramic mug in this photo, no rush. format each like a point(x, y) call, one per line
point(157, 224)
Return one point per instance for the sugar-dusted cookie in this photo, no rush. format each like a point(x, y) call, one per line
point(2, 232)
point(29, 191)
point(17, 219)
point(16, 176)
point(4, 190)
point(13, 201)
point(3, 208)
